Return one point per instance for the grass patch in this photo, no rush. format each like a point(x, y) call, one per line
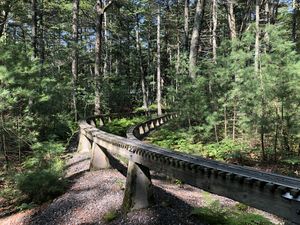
point(110, 216)
point(216, 214)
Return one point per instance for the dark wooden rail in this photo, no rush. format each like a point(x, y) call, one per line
point(279, 195)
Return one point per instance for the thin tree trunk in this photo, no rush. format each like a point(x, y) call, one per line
point(34, 27)
point(41, 38)
point(259, 75)
point(276, 132)
point(214, 44)
point(267, 14)
point(3, 141)
point(159, 110)
point(19, 139)
point(214, 29)
point(233, 35)
point(234, 122)
point(3, 17)
point(225, 122)
point(231, 20)
point(97, 73)
point(195, 37)
point(178, 48)
point(142, 72)
point(105, 45)
point(247, 14)
point(100, 9)
point(186, 25)
point(294, 25)
point(274, 12)
point(75, 54)
point(149, 58)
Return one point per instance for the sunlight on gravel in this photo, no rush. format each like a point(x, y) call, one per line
point(93, 194)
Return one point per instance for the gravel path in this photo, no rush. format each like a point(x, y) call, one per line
point(94, 194)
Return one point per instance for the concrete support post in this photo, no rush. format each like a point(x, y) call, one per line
point(84, 144)
point(138, 193)
point(99, 159)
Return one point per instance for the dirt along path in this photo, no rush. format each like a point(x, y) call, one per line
point(95, 197)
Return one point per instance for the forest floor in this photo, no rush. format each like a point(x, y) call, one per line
point(95, 197)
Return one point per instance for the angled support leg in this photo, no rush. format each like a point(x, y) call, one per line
point(138, 192)
point(99, 159)
point(84, 144)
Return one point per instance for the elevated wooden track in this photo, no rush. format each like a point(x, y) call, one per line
point(273, 193)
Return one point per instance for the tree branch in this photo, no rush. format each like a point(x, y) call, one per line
point(107, 5)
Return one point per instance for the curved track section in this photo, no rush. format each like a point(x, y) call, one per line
point(277, 194)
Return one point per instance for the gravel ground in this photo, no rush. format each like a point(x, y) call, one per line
point(94, 194)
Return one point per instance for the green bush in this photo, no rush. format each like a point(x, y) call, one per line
point(41, 186)
point(43, 179)
point(120, 126)
point(225, 150)
point(187, 140)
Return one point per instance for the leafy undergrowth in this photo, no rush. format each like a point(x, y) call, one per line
point(241, 152)
point(120, 126)
point(187, 141)
point(216, 214)
point(39, 178)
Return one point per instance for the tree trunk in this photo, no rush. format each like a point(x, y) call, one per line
point(296, 23)
point(159, 110)
point(259, 75)
point(100, 9)
point(99, 19)
point(142, 71)
point(34, 27)
point(75, 54)
point(214, 30)
point(195, 38)
point(105, 67)
point(186, 25)
point(41, 36)
point(231, 20)
point(3, 17)
point(225, 122)
point(277, 112)
point(3, 140)
point(233, 35)
point(214, 51)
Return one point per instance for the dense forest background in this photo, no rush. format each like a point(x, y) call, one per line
point(231, 68)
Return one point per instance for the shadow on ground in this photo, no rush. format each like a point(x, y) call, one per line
point(96, 193)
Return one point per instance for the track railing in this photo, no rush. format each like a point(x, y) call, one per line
point(276, 194)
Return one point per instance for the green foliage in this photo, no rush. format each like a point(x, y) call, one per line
point(241, 207)
point(189, 141)
point(25, 206)
point(292, 160)
point(229, 99)
point(110, 216)
point(42, 185)
point(120, 126)
point(43, 177)
point(216, 214)
point(248, 219)
point(226, 150)
point(9, 192)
